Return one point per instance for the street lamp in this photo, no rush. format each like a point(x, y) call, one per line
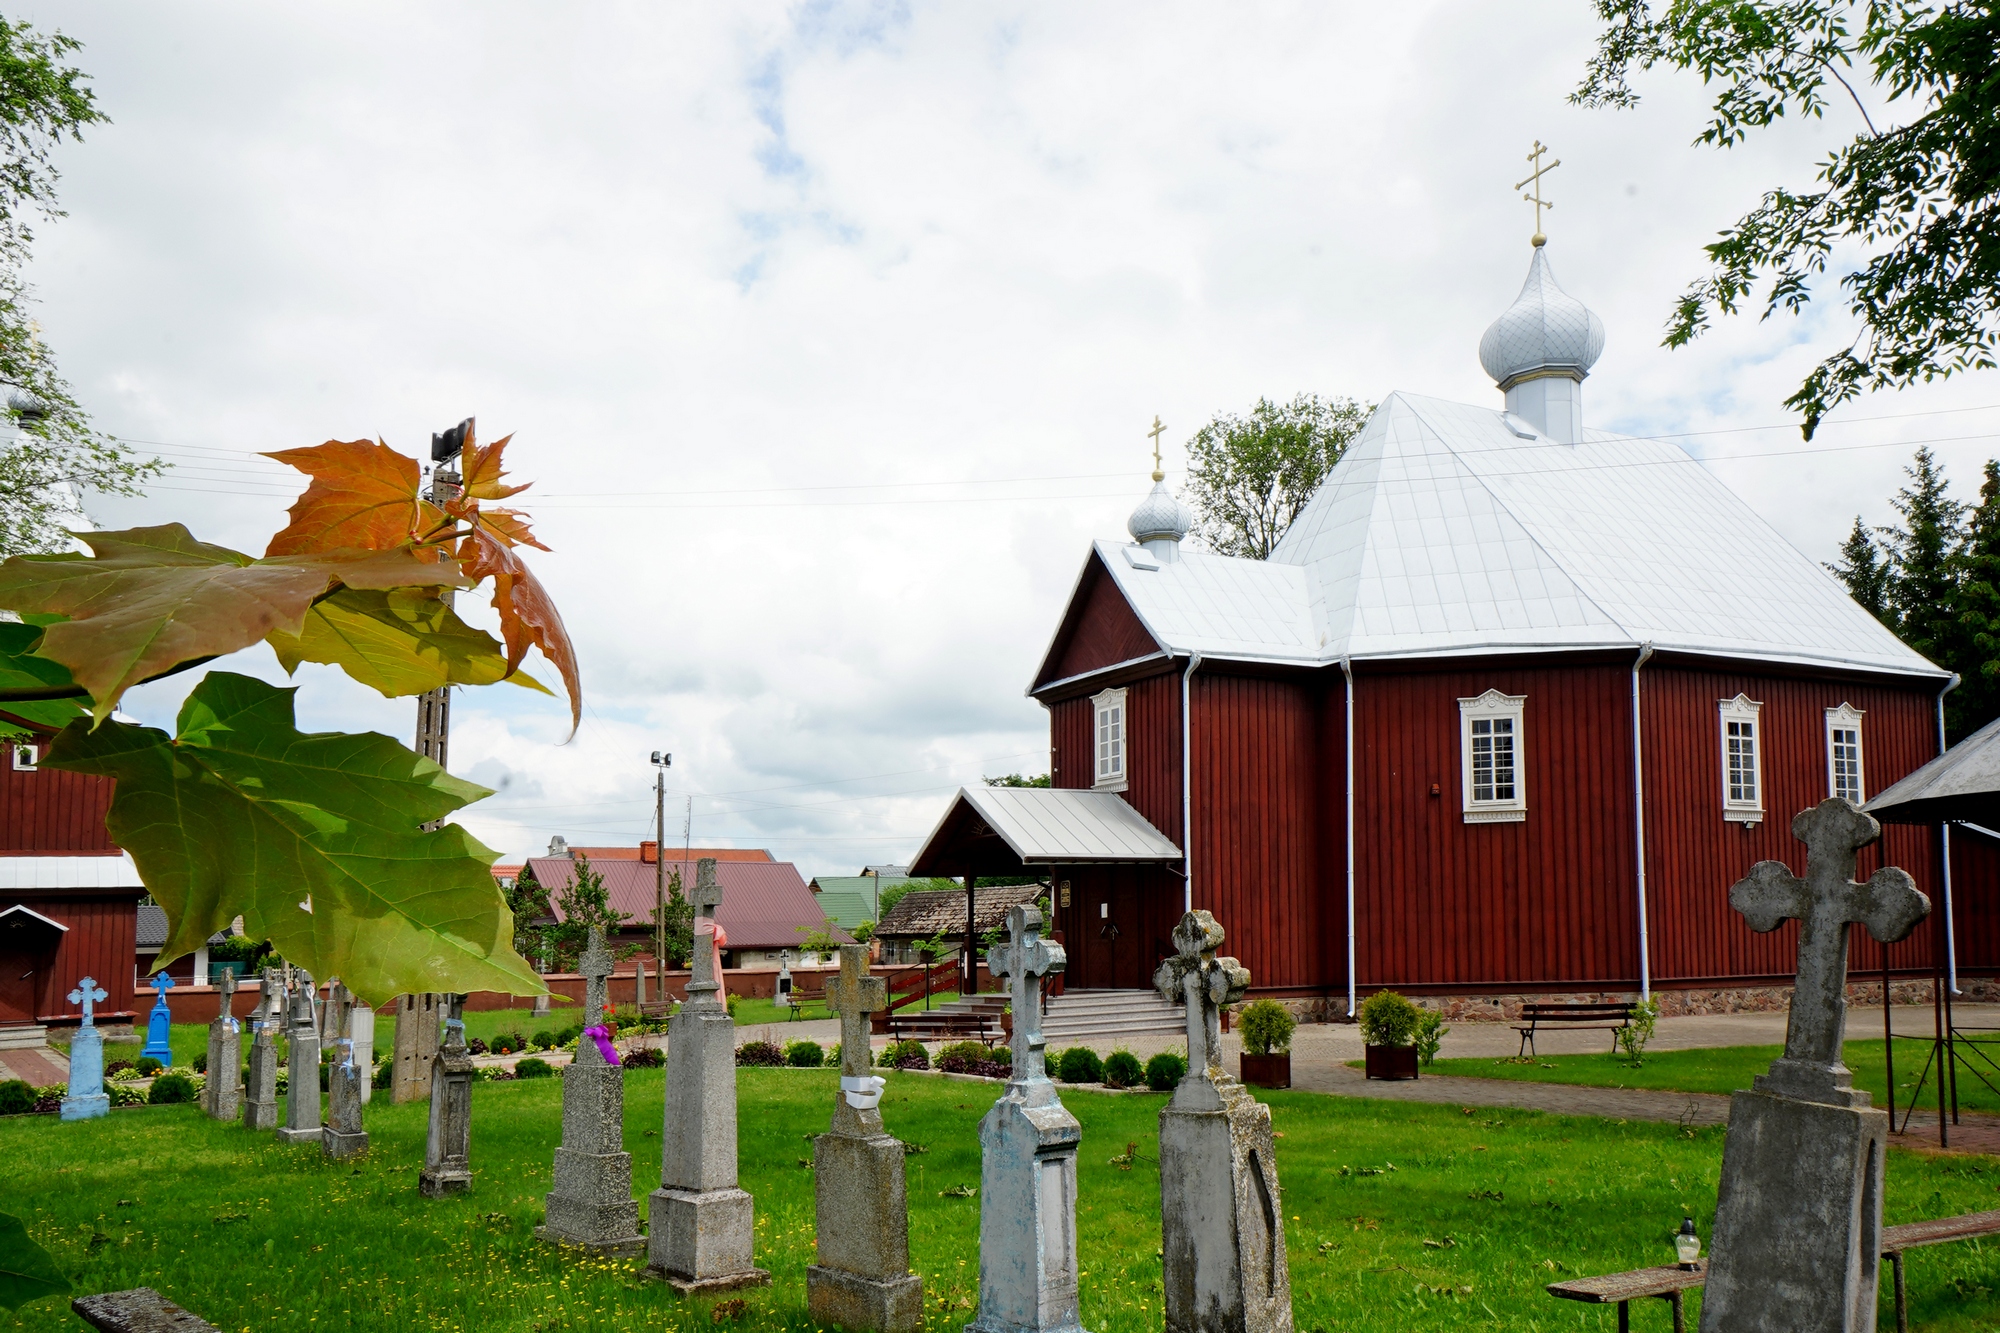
point(661, 763)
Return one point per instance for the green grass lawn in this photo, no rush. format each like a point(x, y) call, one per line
point(1725, 1069)
point(1399, 1217)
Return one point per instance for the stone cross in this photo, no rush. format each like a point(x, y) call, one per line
point(87, 994)
point(1825, 903)
point(1024, 960)
point(1196, 978)
point(854, 995)
point(707, 896)
point(596, 968)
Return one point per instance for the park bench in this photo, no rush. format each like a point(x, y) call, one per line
point(804, 995)
point(1581, 1017)
point(1668, 1283)
point(935, 1026)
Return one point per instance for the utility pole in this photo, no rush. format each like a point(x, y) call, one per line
point(418, 1016)
point(661, 763)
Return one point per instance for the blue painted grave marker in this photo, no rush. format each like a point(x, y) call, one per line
point(87, 1099)
point(159, 1023)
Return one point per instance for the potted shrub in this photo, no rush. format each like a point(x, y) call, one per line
point(1267, 1028)
point(1388, 1032)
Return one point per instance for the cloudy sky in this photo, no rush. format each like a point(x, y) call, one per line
point(830, 333)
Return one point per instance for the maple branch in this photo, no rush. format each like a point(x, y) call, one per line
point(78, 692)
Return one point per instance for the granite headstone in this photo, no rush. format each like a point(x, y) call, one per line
point(591, 1204)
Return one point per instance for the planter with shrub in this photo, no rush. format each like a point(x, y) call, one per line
point(1267, 1028)
point(1389, 1028)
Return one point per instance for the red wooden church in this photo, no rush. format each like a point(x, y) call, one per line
point(1507, 711)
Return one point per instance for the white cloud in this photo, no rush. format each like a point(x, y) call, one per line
point(692, 255)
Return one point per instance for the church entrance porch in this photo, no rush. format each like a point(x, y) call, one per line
point(1116, 922)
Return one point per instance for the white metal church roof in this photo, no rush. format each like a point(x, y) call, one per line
point(1447, 529)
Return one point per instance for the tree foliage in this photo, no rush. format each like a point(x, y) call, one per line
point(327, 844)
point(1019, 780)
point(1248, 477)
point(27, 1271)
point(676, 926)
point(1916, 189)
point(58, 454)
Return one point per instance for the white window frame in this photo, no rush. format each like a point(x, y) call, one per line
point(1490, 708)
point(1742, 711)
point(1846, 718)
point(27, 757)
point(1110, 711)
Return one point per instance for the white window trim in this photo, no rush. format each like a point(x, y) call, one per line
point(1848, 718)
point(1116, 779)
point(1489, 706)
point(29, 752)
point(1741, 709)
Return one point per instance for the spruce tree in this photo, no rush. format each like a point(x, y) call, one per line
point(1869, 577)
point(1977, 700)
point(1924, 593)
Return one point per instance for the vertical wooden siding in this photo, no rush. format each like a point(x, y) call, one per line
point(1975, 891)
point(1693, 855)
point(1545, 902)
point(1100, 630)
point(50, 813)
point(99, 944)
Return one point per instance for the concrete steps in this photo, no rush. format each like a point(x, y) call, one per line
point(1104, 1017)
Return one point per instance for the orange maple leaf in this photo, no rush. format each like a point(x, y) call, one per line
point(528, 615)
point(363, 496)
point(482, 470)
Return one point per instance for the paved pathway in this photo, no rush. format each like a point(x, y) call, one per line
point(39, 1066)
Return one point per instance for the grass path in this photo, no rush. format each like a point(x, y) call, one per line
point(1399, 1217)
point(1728, 1068)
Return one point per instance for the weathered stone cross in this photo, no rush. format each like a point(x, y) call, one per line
point(87, 994)
point(1825, 903)
point(1024, 960)
point(1196, 978)
point(596, 968)
point(854, 995)
point(228, 989)
point(707, 896)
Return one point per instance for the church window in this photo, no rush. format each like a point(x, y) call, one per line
point(1742, 760)
point(1109, 726)
point(1491, 758)
point(1843, 753)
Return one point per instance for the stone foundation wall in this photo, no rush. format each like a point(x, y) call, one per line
point(1674, 1003)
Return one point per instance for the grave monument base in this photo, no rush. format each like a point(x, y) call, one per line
point(836, 1296)
point(1224, 1203)
point(1798, 1225)
point(336, 1144)
point(630, 1248)
point(286, 1134)
point(439, 1184)
point(260, 1115)
point(86, 1108)
point(703, 1241)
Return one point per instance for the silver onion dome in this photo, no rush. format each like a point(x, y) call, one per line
point(1545, 331)
point(1159, 517)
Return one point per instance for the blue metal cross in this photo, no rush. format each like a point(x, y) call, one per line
point(87, 993)
point(162, 983)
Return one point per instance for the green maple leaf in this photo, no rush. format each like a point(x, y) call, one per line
point(27, 1271)
point(21, 670)
point(316, 839)
point(397, 641)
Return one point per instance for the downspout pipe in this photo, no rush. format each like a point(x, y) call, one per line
point(1347, 671)
point(1944, 832)
point(1187, 786)
point(1639, 827)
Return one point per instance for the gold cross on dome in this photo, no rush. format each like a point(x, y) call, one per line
point(1535, 159)
point(1157, 431)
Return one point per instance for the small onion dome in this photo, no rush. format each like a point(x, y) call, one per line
point(1546, 331)
point(1159, 517)
point(26, 407)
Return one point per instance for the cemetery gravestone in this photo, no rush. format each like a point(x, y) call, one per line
point(862, 1216)
point(782, 998)
point(260, 1101)
point(416, 1047)
point(343, 1135)
point(87, 1099)
point(639, 984)
point(591, 1204)
point(361, 1023)
point(1222, 1250)
point(222, 1094)
point(448, 1146)
point(1798, 1223)
point(302, 1119)
point(1027, 1173)
point(703, 1233)
point(160, 1023)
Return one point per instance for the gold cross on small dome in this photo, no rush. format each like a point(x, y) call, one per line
point(1157, 431)
point(1535, 159)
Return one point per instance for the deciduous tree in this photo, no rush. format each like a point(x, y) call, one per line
point(1248, 477)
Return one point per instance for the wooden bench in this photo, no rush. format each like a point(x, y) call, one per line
point(1668, 1283)
point(804, 997)
point(140, 1310)
point(941, 1026)
point(1937, 1231)
point(1607, 1017)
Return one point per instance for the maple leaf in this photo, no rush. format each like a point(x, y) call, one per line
point(528, 616)
point(23, 673)
point(397, 642)
point(152, 599)
point(363, 496)
point(317, 840)
point(27, 1271)
point(482, 470)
